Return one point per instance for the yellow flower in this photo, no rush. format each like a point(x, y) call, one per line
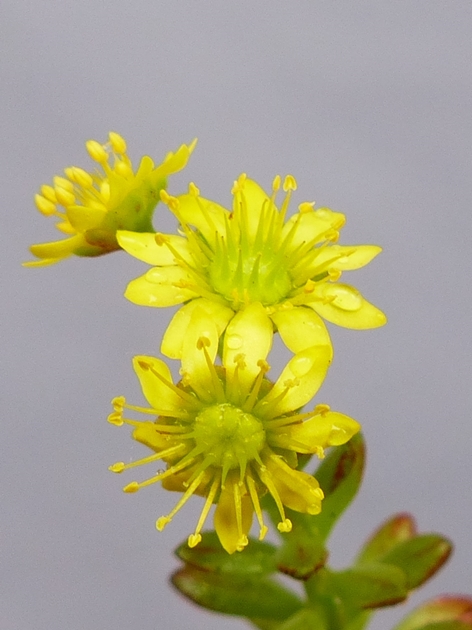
point(228, 434)
point(91, 207)
point(225, 261)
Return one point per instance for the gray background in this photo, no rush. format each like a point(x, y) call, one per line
point(368, 105)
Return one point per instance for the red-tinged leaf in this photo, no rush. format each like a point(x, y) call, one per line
point(258, 557)
point(397, 529)
point(420, 557)
point(369, 586)
point(253, 597)
point(442, 613)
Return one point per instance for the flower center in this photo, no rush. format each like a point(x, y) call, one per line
point(230, 436)
point(255, 276)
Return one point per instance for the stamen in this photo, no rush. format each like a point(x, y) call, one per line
point(195, 538)
point(218, 390)
point(268, 409)
point(285, 524)
point(288, 420)
point(163, 520)
point(243, 539)
point(96, 152)
point(257, 506)
point(276, 183)
point(171, 202)
point(134, 486)
point(251, 400)
point(119, 467)
point(233, 384)
point(188, 398)
point(306, 206)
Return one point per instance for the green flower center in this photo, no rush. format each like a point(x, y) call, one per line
point(257, 276)
point(228, 435)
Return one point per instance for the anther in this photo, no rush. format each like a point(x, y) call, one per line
point(62, 182)
point(276, 183)
point(118, 403)
point(48, 192)
point(203, 342)
point(79, 176)
point(162, 522)
point(116, 418)
point(309, 286)
point(334, 274)
point(96, 151)
point(160, 239)
point(193, 540)
point(118, 467)
point(290, 183)
point(117, 142)
point(285, 525)
point(64, 197)
point(306, 206)
point(45, 206)
point(263, 365)
point(193, 190)
point(322, 409)
point(123, 169)
point(131, 487)
point(144, 364)
point(172, 202)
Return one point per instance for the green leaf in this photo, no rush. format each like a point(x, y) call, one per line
point(258, 557)
point(339, 476)
point(305, 619)
point(441, 613)
point(369, 586)
point(253, 597)
point(420, 557)
point(397, 529)
point(302, 552)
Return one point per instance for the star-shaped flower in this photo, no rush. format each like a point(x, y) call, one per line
point(226, 433)
point(225, 261)
point(91, 207)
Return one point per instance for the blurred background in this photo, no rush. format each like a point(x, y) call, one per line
point(368, 104)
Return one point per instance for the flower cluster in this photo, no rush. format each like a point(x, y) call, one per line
point(229, 434)
point(226, 260)
point(91, 207)
point(224, 431)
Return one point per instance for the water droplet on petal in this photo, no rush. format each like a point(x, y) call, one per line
point(301, 365)
point(234, 342)
point(345, 297)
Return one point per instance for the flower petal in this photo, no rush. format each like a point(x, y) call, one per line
point(347, 257)
point(328, 428)
point(299, 330)
point(226, 517)
point(298, 490)
point(299, 381)
point(57, 249)
point(161, 286)
point(255, 198)
point(143, 245)
point(344, 305)
point(207, 216)
point(172, 342)
point(249, 333)
point(194, 363)
point(157, 393)
point(312, 226)
point(175, 162)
